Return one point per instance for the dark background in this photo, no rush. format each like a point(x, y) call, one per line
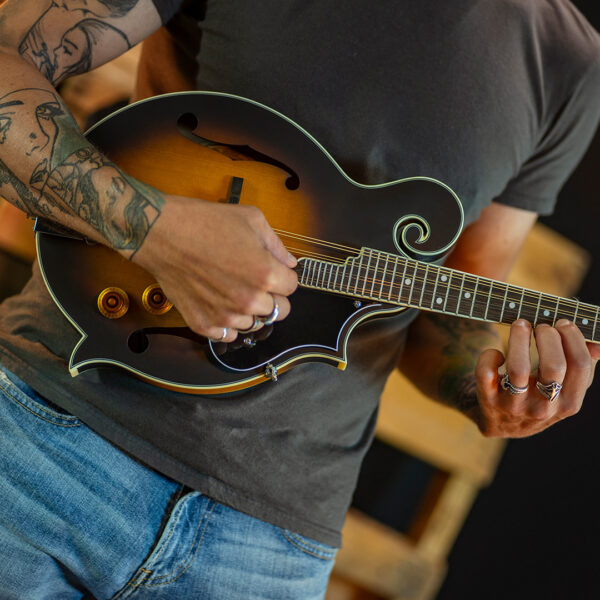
point(535, 533)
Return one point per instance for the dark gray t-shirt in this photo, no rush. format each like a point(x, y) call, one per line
point(498, 99)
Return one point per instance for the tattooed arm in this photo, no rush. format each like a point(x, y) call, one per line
point(219, 265)
point(456, 361)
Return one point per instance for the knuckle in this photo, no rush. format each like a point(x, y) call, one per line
point(540, 411)
point(581, 363)
point(569, 408)
point(197, 324)
point(254, 214)
point(553, 371)
point(517, 373)
point(243, 303)
point(229, 320)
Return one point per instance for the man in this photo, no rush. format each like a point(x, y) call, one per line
point(497, 99)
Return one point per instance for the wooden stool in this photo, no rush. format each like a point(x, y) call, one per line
point(378, 562)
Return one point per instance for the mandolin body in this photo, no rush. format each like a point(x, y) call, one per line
point(223, 148)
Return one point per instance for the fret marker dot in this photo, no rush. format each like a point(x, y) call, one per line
point(439, 300)
point(407, 281)
point(511, 305)
point(467, 294)
point(546, 313)
point(584, 321)
point(444, 278)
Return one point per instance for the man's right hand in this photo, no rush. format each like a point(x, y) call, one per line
point(221, 265)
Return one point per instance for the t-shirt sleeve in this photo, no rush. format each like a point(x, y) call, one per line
point(167, 8)
point(559, 150)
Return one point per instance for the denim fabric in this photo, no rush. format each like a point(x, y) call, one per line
point(80, 519)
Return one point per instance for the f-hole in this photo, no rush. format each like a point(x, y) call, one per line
point(187, 124)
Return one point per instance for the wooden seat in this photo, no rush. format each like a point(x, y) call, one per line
point(378, 562)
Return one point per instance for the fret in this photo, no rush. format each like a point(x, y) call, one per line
point(512, 303)
point(495, 307)
point(393, 278)
point(462, 285)
point(586, 319)
point(366, 276)
point(343, 276)
point(303, 273)
point(376, 275)
point(358, 272)
point(467, 298)
point(481, 298)
point(448, 288)
point(403, 280)
point(318, 283)
point(564, 310)
point(595, 323)
point(435, 287)
point(489, 297)
point(501, 320)
point(309, 271)
point(337, 272)
point(383, 275)
point(352, 262)
point(521, 303)
point(537, 310)
point(412, 282)
point(422, 283)
point(576, 311)
point(451, 303)
point(474, 296)
point(529, 306)
point(548, 305)
point(331, 265)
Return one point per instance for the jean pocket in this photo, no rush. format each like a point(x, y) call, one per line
point(20, 394)
point(309, 546)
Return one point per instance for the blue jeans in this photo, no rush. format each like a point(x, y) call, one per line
point(80, 519)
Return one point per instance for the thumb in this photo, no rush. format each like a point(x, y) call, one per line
point(275, 246)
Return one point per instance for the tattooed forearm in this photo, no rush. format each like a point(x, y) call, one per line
point(48, 169)
point(463, 341)
point(63, 40)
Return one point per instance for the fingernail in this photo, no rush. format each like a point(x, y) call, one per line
point(562, 322)
point(292, 259)
point(522, 323)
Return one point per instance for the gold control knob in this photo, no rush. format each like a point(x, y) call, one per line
point(113, 302)
point(155, 301)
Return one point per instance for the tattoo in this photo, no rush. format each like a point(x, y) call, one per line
point(57, 58)
point(465, 340)
point(56, 173)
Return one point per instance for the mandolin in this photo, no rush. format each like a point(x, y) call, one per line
point(364, 251)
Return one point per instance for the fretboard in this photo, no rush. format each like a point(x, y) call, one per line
point(392, 279)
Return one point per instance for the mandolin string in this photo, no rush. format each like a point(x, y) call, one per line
point(394, 287)
point(403, 261)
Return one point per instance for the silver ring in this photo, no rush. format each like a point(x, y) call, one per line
point(222, 337)
point(256, 325)
point(505, 384)
point(550, 390)
point(270, 319)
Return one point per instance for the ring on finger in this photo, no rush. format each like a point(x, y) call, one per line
point(256, 325)
point(222, 336)
point(270, 319)
point(551, 390)
point(505, 384)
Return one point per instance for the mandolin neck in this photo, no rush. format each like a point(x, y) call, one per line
point(393, 279)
